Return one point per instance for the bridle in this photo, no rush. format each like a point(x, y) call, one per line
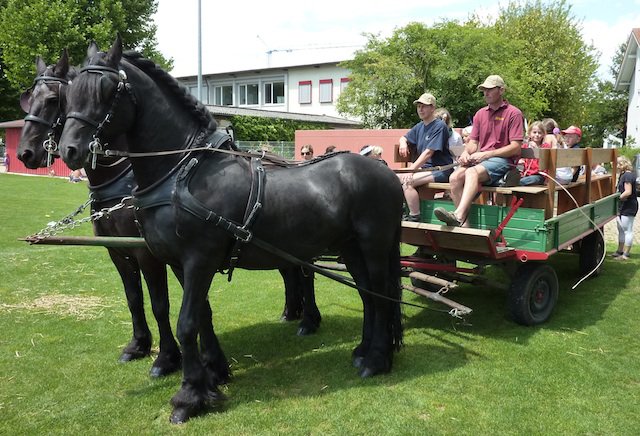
point(50, 144)
point(96, 144)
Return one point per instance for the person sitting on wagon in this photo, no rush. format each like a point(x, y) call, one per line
point(531, 167)
point(431, 137)
point(493, 150)
point(571, 139)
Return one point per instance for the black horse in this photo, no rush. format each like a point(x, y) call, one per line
point(44, 103)
point(193, 198)
point(110, 182)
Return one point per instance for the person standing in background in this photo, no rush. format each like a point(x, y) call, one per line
point(627, 208)
point(307, 152)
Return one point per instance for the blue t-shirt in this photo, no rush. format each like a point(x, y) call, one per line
point(433, 136)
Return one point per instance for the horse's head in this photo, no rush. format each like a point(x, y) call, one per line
point(44, 104)
point(100, 105)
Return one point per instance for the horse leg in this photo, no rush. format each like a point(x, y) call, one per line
point(311, 315)
point(383, 267)
point(140, 344)
point(196, 392)
point(356, 266)
point(169, 358)
point(293, 299)
point(211, 353)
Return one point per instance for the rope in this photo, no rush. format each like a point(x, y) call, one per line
point(604, 254)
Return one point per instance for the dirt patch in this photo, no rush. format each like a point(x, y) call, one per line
point(81, 308)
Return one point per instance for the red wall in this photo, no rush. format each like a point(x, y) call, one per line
point(12, 140)
point(351, 140)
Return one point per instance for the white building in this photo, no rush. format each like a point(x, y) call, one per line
point(628, 80)
point(310, 91)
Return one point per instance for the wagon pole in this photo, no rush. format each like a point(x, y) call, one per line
point(93, 241)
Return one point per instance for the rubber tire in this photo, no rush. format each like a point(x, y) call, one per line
point(591, 251)
point(533, 294)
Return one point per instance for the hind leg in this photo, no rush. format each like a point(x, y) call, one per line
point(311, 315)
point(169, 358)
point(374, 355)
point(140, 344)
point(293, 299)
point(358, 269)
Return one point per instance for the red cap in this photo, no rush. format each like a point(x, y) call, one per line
point(572, 129)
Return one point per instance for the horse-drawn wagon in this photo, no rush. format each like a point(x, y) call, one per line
point(516, 229)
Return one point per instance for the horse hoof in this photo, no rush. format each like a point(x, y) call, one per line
point(128, 357)
point(367, 372)
point(158, 371)
point(358, 362)
point(179, 415)
point(305, 331)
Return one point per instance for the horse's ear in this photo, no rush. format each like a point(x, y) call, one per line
point(25, 101)
point(62, 66)
point(40, 66)
point(115, 53)
point(92, 50)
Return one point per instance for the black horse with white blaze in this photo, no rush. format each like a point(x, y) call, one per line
point(196, 201)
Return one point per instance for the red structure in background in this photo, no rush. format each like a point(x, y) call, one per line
point(12, 138)
point(352, 140)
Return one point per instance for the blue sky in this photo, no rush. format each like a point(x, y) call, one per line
point(237, 35)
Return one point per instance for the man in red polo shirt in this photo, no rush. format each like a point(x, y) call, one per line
point(493, 149)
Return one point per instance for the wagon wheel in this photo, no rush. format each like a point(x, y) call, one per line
point(591, 252)
point(533, 293)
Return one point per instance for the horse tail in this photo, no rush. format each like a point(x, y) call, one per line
point(395, 291)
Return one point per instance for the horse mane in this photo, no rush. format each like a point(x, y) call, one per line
point(181, 92)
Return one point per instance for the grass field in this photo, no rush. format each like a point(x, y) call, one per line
point(63, 322)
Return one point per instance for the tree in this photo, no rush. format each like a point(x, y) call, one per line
point(30, 28)
point(536, 48)
point(448, 60)
point(247, 128)
point(606, 108)
point(558, 64)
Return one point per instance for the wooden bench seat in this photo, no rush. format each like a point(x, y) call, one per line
point(551, 197)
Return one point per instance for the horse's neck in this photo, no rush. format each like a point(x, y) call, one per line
point(106, 171)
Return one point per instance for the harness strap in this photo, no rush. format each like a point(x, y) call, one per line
point(254, 205)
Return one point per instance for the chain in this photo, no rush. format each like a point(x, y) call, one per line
point(70, 221)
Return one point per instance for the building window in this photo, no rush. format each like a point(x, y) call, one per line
point(304, 92)
point(223, 95)
point(343, 83)
point(248, 94)
point(205, 95)
point(274, 93)
point(326, 91)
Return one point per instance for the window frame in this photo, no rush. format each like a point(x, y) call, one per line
point(323, 89)
point(308, 87)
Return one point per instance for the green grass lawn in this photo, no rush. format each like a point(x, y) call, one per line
point(64, 320)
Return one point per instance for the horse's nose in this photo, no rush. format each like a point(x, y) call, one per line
point(25, 156)
point(70, 155)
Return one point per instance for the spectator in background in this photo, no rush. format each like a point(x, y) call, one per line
point(627, 208)
point(307, 152)
point(454, 137)
point(330, 149)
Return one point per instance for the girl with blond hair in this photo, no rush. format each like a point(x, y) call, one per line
point(627, 208)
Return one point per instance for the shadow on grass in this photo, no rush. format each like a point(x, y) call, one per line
point(269, 362)
point(576, 308)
